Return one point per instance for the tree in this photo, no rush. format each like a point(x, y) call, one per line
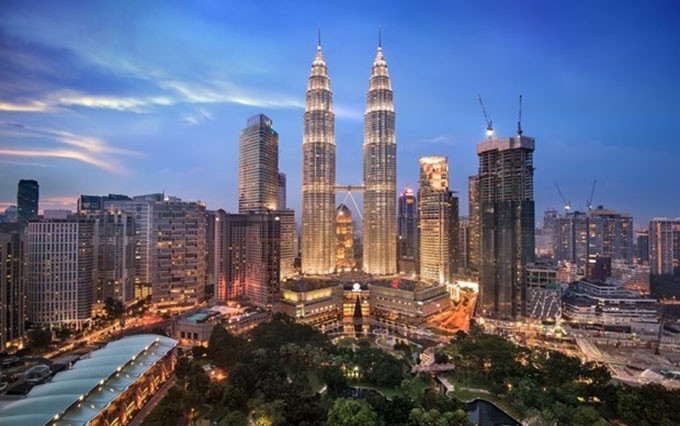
point(335, 380)
point(350, 412)
point(114, 308)
point(223, 348)
point(441, 358)
point(234, 418)
point(38, 338)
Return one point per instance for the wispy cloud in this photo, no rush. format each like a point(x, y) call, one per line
point(89, 150)
point(348, 113)
point(198, 117)
point(445, 139)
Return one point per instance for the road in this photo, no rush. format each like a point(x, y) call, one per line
point(153, 402)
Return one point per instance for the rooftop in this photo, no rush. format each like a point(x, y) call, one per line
point(74, 397)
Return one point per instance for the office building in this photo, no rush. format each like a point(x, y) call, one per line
point(258, 166)
point(318, 173)
point(12, 284)
point(170, 248)
point(578, 237)
point(28, 194)
point(95, 203)
point(210, 216)
point(661, 250)
point(230, 255)
point(617, 234)
point(464, 242)
point(61, 271)
point(642, 246)
point(344, 237)
point(380, 174)
point(474, 215)
point(407, 231)
point(281, 203)
point(506, 192)
point(437, 222)
point(406, 304)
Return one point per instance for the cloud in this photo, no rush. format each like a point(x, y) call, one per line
point(199, 116)
point(445, 139)
point(348, 113)
point(89, 150)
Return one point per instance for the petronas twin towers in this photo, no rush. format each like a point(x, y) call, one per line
point(318, 173)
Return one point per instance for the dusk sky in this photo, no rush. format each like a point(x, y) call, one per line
point(140, 97)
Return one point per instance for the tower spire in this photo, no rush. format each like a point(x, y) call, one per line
point(318, 45)
point(380, 38)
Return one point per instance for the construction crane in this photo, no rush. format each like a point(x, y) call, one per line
point(567, 204)
point(519, 119)
point(589, 202)
point(489, 123)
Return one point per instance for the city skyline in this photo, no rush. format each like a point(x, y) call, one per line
point(92, 108)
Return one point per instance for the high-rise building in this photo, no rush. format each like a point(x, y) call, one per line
point(642, 246)
point(95, 203)
point(61, 272)
point(28, 194)
point(578, 237)
point(210, 216)
point(230, 255)
point(344, 237)
point(506, 197)
point(437, 222)
point(464, 242)
point(661, 251)
point(407, 231)
point(380, 173)
point(617, 234)
point(281, 204)
point(114, 248)
point(287, 249)
point(318, 173)
point(475, 218)
point(12, 283)
point(263, 245)
point(258, 166)
point(170, 251)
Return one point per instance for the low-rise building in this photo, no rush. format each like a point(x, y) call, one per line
point(316, 302)
point(399, 302)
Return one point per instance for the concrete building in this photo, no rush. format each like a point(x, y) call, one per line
point(633, 277)
point(28, 194)
point(617, 234)
point(61, 273)
point(464, 231)
point(642, 246)
point(661, 246)
point(506, 198)
point(230, 255)
point(12, 284)
point(315, 302)
point(281, 203)
point(380, 174)
point(258, 166)
point(407, 231)
point(475, 225)
point(170, 252)
point(318, 173)
point(114, 244)
point(578, 237)
point(344, 237)
point(402, 303)
point(437, 222)
point(107, 387)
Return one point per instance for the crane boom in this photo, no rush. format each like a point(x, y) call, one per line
point(489, 123)
point(519, 119)
point(589, 203)
point(567, 204)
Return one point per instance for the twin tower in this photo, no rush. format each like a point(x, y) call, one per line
point(318, 173)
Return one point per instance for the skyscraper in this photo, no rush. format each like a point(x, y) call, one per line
point(474, 214)
point(27, 200)
point(437, 222)
point(318, 173)
point(281, 204)
point(344, 237)
point(506, 197)
point(617, 234)
point(380, 173)
point(12, 283)
point(114, 247)
point(407, 231)
point(258, 166)
point(60, 279)
point(661, 251)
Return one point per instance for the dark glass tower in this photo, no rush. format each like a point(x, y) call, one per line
point(505, 186)
point(27, 200)
point(407, 228)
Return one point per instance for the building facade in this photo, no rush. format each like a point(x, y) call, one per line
point(28, 194)
point(12, 284)
point(437, 222)
point(114, 246)
point(344, 237)
point(475, 229)
point(318, 173)
point(661, 246)
point(380, 174)
point(281, 203)
point(61, 273)
point(407, 231)
point(506, 199)
point(258, 166)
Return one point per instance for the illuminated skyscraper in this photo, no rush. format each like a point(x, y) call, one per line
point(318, 173)
point(27, 200)
point(437, 222)
point(661, 251)
point(258, 166)
point(506, 199)
point(407, 231)
point(344, 237)
point(380, 173)
point(474, 214)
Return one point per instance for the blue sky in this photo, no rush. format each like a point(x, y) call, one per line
point(138, 97)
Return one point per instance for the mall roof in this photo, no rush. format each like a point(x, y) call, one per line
point(74, 397)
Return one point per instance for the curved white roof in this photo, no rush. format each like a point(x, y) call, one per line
point(77, 395)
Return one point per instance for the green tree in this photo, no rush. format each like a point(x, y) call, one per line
point(114, 308)
point(350, 412)
point(224, 349)
point(38, 339)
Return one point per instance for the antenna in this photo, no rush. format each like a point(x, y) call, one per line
point(519, 119)
point(380, 37)
point(567, 204)
point(489, 123)
point(319, 37)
